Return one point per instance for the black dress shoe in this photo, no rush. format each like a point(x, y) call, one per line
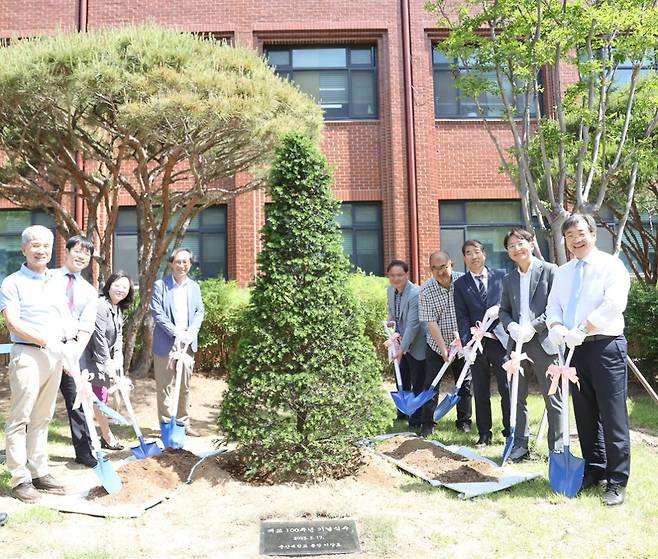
point(484, 440)
point(3, 518)
point(465, 427)
point(108, 446)
point(614, 494)
point(88, 461)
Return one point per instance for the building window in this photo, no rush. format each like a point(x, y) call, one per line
point(343, 80)
point(488, 222)
point(361, 226)
point(622, 75)
point(12, 223)
point(205, 237)
point(448, 101)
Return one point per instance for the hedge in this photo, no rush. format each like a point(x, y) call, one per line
point(641, 328)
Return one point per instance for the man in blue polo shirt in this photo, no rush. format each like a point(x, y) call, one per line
point(33, 313)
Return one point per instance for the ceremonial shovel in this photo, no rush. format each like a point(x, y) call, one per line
point(173, 432)
point(565, 471)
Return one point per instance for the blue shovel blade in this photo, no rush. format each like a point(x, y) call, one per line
point(508, 448)
point(173, 434)
point(565, 472)
point(401, 399)
point(107, 475)
point(420, 400)
point(445, 405)
point(145, 450)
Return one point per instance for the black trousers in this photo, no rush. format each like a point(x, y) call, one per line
point(434, 362)
point(600, 408)
point(492, 357)
point(79, 431)
point(414, 371)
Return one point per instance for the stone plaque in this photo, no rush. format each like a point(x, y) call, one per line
point(319, 537)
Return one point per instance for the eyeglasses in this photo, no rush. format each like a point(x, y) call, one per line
point(516, 246)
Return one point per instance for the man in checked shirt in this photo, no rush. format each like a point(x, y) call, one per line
point(436, 307)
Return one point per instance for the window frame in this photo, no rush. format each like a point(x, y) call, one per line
point(377, 226)
point(288, 70)
point(447, 67)
point(54, 261)
point(200, 230)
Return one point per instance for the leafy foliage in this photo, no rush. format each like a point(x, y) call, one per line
point(641, 318)
point(303, 385)
point(566, 157)
point(225, 305)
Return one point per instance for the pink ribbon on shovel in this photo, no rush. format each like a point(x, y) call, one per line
point(556, 372)
point(83, 390)
point(393, 342)
point(513, 364)
point(478, 331)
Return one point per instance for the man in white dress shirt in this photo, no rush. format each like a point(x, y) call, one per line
point(584, 311)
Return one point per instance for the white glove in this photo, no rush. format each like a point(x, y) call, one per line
point(110, 367)
point(492, 312)
point(557, 333)
point(185, 337)
point(527, 332)
point(575, 337)
point(71, 357)
point(118, 360)
point(470, 353)
point(514, 330)
point(56, 348)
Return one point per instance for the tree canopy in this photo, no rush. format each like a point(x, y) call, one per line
point(564, 156)
point(173, 121)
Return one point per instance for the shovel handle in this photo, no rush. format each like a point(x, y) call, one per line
point(129, 407)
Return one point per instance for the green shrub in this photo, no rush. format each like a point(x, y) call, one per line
point(370, 296)
point(641, 320)
point(4, 333)
point(303, 384)
point(225, 304)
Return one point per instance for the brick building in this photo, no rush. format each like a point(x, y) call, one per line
point(414, 167)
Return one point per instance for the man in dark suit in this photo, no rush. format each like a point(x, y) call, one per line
point(475, 292)
point(402, 298)
point(523, 315)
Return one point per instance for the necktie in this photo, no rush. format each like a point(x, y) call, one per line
point(481, 289)
point(576, 289)
point(70, 291)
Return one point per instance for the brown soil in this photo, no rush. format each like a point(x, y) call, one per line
point(436, 462)
point(144, 480)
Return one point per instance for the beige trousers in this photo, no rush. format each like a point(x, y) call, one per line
point(34, 379)
point(165, 383)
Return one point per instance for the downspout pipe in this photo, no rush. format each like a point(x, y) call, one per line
point(410, 141)
point(78, 210)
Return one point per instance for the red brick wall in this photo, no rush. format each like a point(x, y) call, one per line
point(454, 159)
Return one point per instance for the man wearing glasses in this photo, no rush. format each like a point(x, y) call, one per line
point(523, 314)
point(436, 308)
point(585, 311)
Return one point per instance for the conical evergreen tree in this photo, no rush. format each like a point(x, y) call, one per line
point(303, 384)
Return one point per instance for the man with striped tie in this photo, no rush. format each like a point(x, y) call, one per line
point(584, 311)
point(475, 292)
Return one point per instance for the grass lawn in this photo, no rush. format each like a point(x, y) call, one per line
point(398, 516)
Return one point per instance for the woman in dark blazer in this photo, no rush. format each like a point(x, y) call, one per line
point(103, 356)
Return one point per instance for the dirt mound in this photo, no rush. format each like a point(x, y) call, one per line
point(436, 462)
point(145, 479)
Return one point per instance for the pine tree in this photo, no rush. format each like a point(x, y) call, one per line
point(303, 384)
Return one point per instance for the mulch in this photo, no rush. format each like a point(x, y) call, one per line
point(438, 463)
